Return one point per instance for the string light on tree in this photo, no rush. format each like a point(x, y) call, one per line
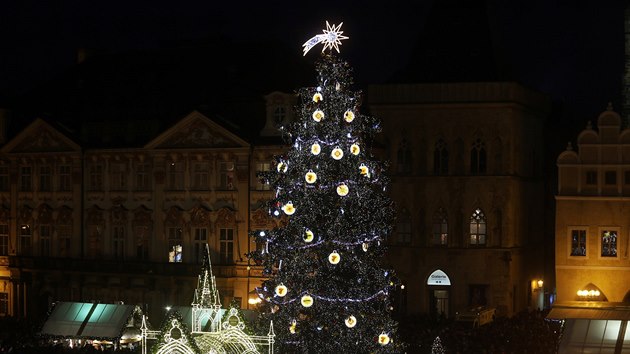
point(345, 215)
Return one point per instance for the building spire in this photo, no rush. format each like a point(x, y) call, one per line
point(206, 294)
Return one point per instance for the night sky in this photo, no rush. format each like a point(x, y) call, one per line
point(572, 51)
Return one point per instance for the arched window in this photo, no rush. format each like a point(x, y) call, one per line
point(440, 228)
point(440, 158)
point(403, 227)
point(404, 158)
point(478, 157)
point(478, 228)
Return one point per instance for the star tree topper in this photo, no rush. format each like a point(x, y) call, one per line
point(331, 38)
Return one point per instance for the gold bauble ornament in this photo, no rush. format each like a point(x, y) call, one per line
point(348, 116)
point(282, 167)
point(318, 115)
point(288, 208)
point(317, 97)
point(281, 290)
point(310, 177)
point(337, 153)
point(307, 301)
point(355, 149)
point(334, 257)
point(316, 149)
point(383, 339)
point(308, 236)
point(342, 190)
point(351, 321)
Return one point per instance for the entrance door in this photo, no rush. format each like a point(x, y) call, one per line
point(441, 302)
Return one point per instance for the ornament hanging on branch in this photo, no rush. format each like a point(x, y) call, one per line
point(355, 149)
point(318, 115)
point(288, 208)
point(310, 177)
point(308, 236)
point(337, 153)
point(316, 149)
point(351, 321)
point(383, 339)
point(348, 116)
point(334, 257)
point(317, 97)
point(282, 167)
point(281, 290)
point(342, 190)
point(306, 301)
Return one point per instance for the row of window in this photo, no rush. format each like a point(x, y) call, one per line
point(478, 158)
point(119, 242)
point(46, 179)
point(607, 242)
point(610, 177)
point(439, 228)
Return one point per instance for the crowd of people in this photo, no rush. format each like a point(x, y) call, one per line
point(524, 333)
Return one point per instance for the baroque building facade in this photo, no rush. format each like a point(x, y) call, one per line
point(130, 223)
point(467, 178)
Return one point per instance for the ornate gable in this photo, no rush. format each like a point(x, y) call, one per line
point(196, 131)
point(40, 137)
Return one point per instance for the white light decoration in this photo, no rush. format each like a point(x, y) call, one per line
point(337, 153)
point(309, 236)
point(355, 149)
point(383, 339)
point(334, 257)
point(348, 116)
point(351, 321)
point(365, 246)
point(281, 290)
point(282, 167)
point(306, 301)
point(317, 97)
point(292, 327)
point(318, 115)
point(310, 177)
point(316, 149)
point(331, 38)
point(364, 170)
point(342, 190)
point(288, 208)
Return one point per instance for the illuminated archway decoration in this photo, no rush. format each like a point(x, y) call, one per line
point(438, 277)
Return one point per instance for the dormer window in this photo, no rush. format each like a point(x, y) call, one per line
point(279, 115)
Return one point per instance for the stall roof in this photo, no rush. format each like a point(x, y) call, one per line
point(590, 310)
point(87, 320)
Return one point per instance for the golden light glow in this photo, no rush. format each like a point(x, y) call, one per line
point(307, 301)
point(351, 321)
point(308, 236)
point(254, 300)
point(316, 149)
point(348, 116)
point(317, 97)
point(310, 177)
point(342, 190)
point(355, 149)
point(337, 153)
point(334, 257)
point(281, 290)
point(318, 115)
point(383, 339)
point(288, 208)
point(282, 167)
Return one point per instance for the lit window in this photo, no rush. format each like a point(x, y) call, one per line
point(478, 228)
point(578, 242)
point(440, 228)
point(175, 244)
point(262, 167)
point(227, 175)
point(609, 243)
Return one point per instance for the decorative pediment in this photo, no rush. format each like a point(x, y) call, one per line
point(174, 216)
point(226, 218)
point(196, 131)
point(199, 216)
point(40, 137)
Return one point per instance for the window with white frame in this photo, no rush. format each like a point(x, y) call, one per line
point(608, 241)
point(478, 228)
point(260, 184)
point(201, 171)
point(440, 228)
point(226, 177)
point(200, 239)
point(175, 240)
point(226, 247)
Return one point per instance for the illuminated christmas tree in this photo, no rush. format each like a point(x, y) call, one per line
point(327, 291)
point(437, 347)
